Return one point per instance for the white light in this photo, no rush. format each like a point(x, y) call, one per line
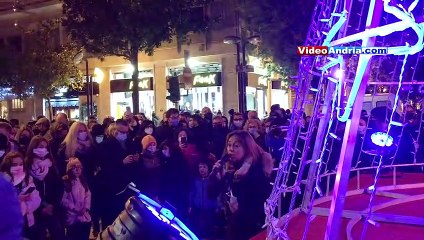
point(193, 62)
point(254, 61)
point(339, 73)
point(382, 139)
point(98, 75)
point(129, 68)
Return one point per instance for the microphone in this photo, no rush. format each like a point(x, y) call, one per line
point(224, 160)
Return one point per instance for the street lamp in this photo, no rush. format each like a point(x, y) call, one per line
point(242, 67)
point(78, 58)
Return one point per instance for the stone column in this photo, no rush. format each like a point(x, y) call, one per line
point(103, 100)
point(229, 84)
point(160, 89)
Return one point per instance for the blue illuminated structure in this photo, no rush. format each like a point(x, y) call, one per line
point(165, 215)
point(145, 219)
point(382, 139)
point(330, 21)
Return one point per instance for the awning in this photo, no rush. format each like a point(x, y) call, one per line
point(62, 103)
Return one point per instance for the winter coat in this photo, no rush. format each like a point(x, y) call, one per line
point(11, 220)
point(31, 205)
point(77, 203)
point(87, 158)
point(251, 192)
point(199, 198)
point(50, 189)
point(114, 175)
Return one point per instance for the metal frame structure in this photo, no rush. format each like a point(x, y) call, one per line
point(323, 29)
point(385, 191)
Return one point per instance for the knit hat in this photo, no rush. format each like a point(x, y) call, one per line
point(72, 163)
point(147, 140)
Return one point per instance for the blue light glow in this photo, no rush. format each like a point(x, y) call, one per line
point(165, 215)
point(382, 139)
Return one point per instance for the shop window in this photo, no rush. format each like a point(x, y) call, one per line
point(17, 105)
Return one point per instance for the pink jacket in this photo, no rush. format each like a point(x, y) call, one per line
point(77, 202)
point(31, 204)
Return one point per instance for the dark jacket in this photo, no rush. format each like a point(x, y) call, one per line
point(50, 189)
point(114, 175)
point(165, 132)
point(11, 220)
point(251, 192)
point(218, 141)
point(175, 184)
point(86, 157)
point(199, 198)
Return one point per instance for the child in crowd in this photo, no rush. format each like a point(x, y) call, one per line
point(150, 167)
point(202, 208)
point(76, 201)
point(29, 198)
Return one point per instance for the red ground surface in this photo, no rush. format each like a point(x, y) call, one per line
point(360, 202)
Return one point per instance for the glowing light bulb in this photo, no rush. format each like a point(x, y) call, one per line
point(382, 139)
point(129, 68)
point(98, 75)
point(339, 73)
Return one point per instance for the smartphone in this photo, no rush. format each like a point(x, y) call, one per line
point(183, 140)
point(29, 190)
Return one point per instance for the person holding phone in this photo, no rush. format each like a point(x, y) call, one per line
point(193, 152)
point(118, 167)
point(29, 198)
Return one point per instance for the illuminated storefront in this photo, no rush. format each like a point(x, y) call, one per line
point(206, 90)
point(68, 101)
point(121, 96)
point(256, 94)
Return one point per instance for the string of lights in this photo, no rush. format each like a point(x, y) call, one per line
point(386, 143)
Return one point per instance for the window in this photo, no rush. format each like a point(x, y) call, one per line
point(367, 106)
point(17, 105)
point(382, 103)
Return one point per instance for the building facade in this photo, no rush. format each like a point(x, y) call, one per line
point(213, 64)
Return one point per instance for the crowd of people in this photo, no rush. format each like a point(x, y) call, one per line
point(214, 172)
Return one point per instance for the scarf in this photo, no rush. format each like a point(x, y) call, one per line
point(40, 168)
point(18, 178)
point(83, 145)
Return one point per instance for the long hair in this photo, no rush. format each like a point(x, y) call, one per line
point(35, 141)
point(111, 130)
point(69, 176)
point(251, 149)
point(22, 129)
point(7, 164)
point(71, 140)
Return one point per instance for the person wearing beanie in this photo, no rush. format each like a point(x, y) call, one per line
point(150, 167)
point(76, 201)
point(149, 143)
